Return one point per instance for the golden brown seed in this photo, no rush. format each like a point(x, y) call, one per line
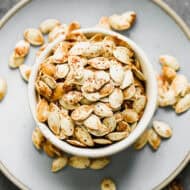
point(58, 91)
point(67, 106)
point(43, 89)
point(179, 85)
point(183, 104)
point(92, 122)
point(99, 163)
point(100, 63)
point(117, 136)
point(123, 126)
point(87, 49)
point(169, 61)
point(56, 32)
point(76, 37)
point(73, 26)
point(102, 110)
point(50, 81)
point(167, 98)
point(153, 139)
point(79, 162)
point(3, 88)
point(61, 135)
point(83, 136)
point(76, 143)
point(15, 62)
point(139, 104)
point(102, 77)
point(82, 112)
point(122, 54)
point(141, 141)
point(91, 97)
point(42, 110)
point(169, 73)
point(123, 21)
point(48, 25)
point(54, 119)
point(162, 129)
point(106, 90)
point(128, 79)
point(102, 131)
point(116, 98)
point(48, 68)
point(138, 74)
point(94, 83)
point(25, 71)
point(51, 150)
point(72, 97)
point(116, 73)
point(67, 125)
point(130, 116)
point(102, 141)
point(129, 92)
point(61, 53)
point(59, 163)
point(108, 184)
point(108, 47)
point(22, 48)
point(37, 138)
point(76, 65)
point(62, 70)
point(34, 36)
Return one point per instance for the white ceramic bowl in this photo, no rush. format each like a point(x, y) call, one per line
point(151, 92)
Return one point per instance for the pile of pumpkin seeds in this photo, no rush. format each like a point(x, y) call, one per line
point(85, 84)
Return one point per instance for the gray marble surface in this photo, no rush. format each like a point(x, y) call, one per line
point(182, 7)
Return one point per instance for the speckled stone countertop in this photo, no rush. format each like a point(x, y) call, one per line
point(182, 7)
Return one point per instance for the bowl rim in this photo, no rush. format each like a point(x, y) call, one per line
point(142, 124)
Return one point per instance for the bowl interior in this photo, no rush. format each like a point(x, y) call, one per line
point(151, 92)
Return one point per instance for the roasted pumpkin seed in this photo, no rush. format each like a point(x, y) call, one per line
point(21, 49)
point(117, 136)
point(48, 25)
point(83, 136)
point(82, 112)
point(34, 36)
point(59, 163)
point(37, 138)
point(108, 184)
point(99, 163)
point(141, 141)
point(79, 162)
point(162, 129)
point(153, 139)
